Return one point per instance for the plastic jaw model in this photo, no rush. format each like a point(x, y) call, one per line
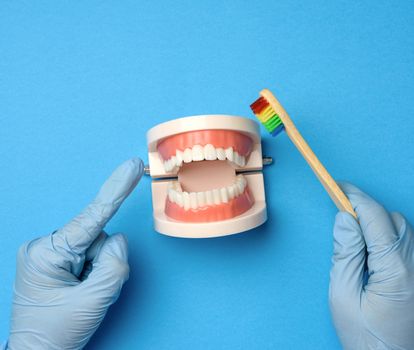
point(207, 176)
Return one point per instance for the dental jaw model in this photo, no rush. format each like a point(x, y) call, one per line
point(207, 176)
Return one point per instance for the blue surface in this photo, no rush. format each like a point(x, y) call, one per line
point(80, 84)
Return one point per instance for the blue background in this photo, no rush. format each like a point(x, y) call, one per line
point(82, 82)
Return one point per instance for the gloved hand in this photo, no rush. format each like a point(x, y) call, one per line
point(66, 281)
point(372, 278)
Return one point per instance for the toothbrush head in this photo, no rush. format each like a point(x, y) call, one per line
point(267, 116)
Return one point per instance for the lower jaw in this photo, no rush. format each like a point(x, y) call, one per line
point(224, 211)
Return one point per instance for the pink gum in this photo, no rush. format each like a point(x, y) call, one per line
point(218, 138)
point(224, 211)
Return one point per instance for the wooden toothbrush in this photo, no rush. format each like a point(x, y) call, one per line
point(275, 119)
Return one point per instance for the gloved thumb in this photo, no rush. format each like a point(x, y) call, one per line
point(110, 270)
point(347, 273)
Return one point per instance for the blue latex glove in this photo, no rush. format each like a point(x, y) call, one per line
point(66, 281)
point(372, 278)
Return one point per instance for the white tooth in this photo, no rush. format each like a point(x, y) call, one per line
point(229, 154)
point(178, 158)
point(171, 195)
point(239, 178)
point(242, 180)
point(216, 196)
point(173, 161)
point(187, 155)
point(198, 153)
point(221, 154)
point(209, 198)
point(236, 190)
point(177, 186)
point(201, 199)
point(167, 166)
point(186, 200)
point(179, 199)
point(223, 194)
point(230, 191)
point(237, 159)
point(240, 187)
point(193, 200)
point(174, 195)
point(210, 152)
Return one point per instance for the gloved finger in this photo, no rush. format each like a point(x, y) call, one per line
point(90, 255)
point(398, 221)
point(41, 257)
point(87, 269)
point(78, 235)
point(406, 238)
point(405, 244)
point(394, 266)
point(95, 247)
point(110, 270)
point(376, 224)
point(348, 267)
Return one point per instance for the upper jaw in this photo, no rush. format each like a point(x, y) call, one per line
point(199, 145)
point(199, 153)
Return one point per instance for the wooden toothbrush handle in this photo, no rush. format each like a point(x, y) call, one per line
point(337, 195)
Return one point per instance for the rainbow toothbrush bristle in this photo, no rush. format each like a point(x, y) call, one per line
point(267, 116)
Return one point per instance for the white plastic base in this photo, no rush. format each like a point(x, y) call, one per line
point(254, 217)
